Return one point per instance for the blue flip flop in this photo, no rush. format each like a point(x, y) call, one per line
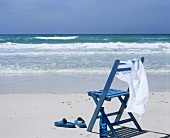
point(80, 123)
point(64, 123)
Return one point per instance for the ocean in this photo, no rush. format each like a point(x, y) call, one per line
point(75, 63)
point(85, 54)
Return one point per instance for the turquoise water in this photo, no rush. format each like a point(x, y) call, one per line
point(77, 38)
point(74, 53)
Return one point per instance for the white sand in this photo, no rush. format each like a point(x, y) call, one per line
point(33, 115)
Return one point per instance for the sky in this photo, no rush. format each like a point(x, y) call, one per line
point(84, 16)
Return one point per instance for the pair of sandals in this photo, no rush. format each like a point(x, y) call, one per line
point(64, 123)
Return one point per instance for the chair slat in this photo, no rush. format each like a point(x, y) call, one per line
point(123, 69)
point(122, 122)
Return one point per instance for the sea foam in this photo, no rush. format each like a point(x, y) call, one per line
point(79, 57)
point(119, 47)
point(58, 38)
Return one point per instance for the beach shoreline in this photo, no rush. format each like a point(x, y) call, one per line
point(71, 83)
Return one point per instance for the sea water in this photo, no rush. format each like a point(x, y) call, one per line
point(52, 63)
point(50, 53)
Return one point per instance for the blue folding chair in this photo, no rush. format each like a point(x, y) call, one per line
point(107, 94)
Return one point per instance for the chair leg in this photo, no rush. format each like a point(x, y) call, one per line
point(135, 122)
point(122, 107)
point(95, 114)
point(93, 119)
point(121, 110)
point(111, 127)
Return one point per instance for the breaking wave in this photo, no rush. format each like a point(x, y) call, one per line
point(58, 38)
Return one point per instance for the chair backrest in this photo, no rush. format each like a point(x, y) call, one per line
point(115, 69)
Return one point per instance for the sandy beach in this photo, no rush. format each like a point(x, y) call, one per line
point(33, 116)
point(32, 103)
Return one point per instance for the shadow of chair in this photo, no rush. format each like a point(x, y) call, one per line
point(127, 132)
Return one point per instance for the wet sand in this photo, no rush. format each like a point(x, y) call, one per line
point(71, 83)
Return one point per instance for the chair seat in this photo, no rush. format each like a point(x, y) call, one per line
point(111, 93)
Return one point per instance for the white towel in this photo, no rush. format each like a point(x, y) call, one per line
point(138, 87)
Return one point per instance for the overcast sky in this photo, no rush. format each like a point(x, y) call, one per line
point(85, 16)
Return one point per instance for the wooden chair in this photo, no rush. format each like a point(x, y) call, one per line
point(108, 94)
